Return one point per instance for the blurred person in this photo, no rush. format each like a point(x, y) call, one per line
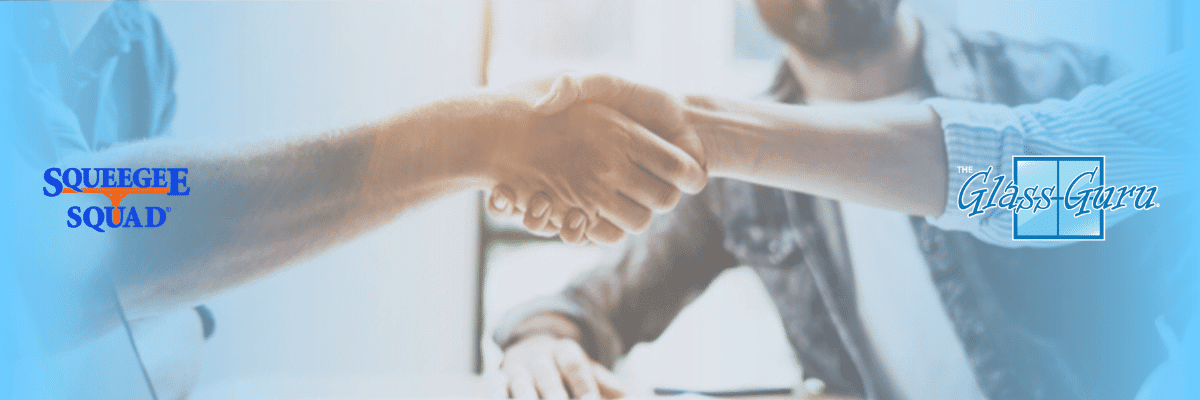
point(1138, 122)
point(258, 207)
point(878, 304)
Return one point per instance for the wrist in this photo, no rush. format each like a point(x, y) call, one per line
point(546, 325)
point(497, 142)
point(713, 141)
point(441, 146)
point(481, 132)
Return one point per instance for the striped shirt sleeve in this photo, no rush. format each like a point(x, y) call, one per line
point(1139, 123)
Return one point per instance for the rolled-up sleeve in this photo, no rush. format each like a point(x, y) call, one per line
point(1139, 123)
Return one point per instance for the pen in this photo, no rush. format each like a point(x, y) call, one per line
point(726, 393)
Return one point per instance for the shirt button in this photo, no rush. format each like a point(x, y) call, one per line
point(814, 386)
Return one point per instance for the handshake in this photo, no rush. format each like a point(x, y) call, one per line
point(589, 158)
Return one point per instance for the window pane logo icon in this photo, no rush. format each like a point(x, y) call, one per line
point(1059, 173)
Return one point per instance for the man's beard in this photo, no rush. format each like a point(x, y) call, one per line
point(849, 27)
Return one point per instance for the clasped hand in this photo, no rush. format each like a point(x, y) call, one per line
point(599, 155)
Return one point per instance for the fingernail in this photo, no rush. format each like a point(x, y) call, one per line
point(500, 202)
point(542, 206)
point(576, 221)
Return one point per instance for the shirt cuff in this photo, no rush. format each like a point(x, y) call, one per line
point(977, 136)
point(509, 329)
point(598, 338)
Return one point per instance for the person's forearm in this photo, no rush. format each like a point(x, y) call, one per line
point(889, 156)
point(251, 211)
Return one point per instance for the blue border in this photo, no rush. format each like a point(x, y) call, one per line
point(1058, 207)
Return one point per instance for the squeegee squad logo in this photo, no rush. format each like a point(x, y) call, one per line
point(116, 183)
point(1054, 197)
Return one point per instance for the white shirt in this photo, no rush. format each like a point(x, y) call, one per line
point(900, 309)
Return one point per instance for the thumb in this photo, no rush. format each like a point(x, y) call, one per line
point(648, 106)
point(562, 93)
point(568, 89)
point(653, 108)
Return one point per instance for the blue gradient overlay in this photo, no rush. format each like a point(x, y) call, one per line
point(57, 341)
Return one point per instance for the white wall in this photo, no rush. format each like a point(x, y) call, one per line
point(398, 301)
point(684, 46)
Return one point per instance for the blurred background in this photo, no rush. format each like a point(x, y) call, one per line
point(419, 296)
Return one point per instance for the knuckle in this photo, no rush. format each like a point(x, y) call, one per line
point(605, 232)
point(603, 238)
point(699, 101)
point(498, 203)
point(608, 174)
point(668, 198)
point(536, 228)
point(611, 85)
point(571, 368)
point(618, 134)
point(673, 166)
point(565, 350)
point(641, 221)
point(514, 371)
point(497, 214)
point(605, 79)
point(595, 112)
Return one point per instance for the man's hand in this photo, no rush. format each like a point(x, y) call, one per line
point(649, 116)
point(546, 367)
point(596, 159)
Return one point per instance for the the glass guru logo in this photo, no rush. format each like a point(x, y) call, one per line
point(1054, 197)
point(116, 183)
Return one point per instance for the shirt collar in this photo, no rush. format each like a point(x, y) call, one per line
point(947, 64)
